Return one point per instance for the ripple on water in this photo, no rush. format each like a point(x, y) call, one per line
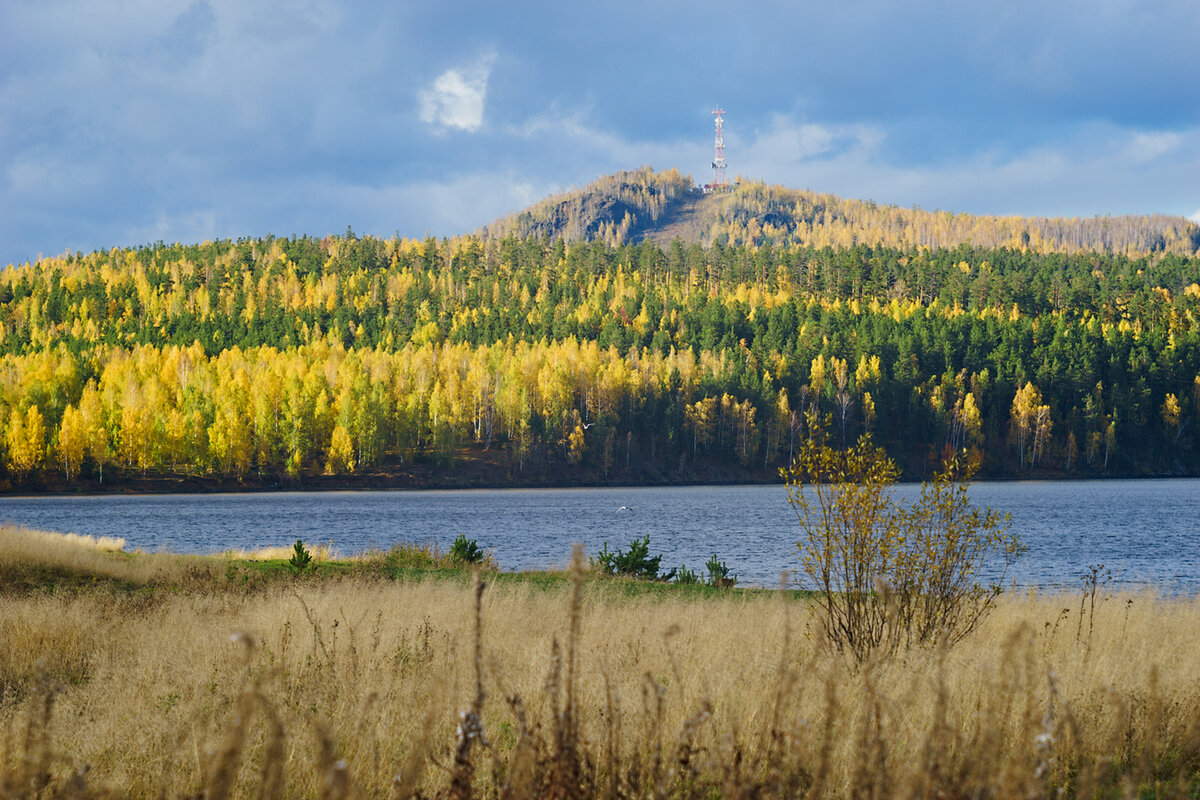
point(1146, 531)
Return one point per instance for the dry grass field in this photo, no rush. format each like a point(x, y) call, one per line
point(163, 676)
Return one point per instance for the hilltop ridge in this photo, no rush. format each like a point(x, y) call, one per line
point(645, 205)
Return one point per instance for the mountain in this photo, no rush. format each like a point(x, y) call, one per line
point(638, 205)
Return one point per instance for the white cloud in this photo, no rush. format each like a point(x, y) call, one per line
point(456, 98)
point(597, 151)
point(1195, 217)
point(456, 205)
point(1149, 146)
point(789, 142)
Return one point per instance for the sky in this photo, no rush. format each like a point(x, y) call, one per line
point(124, 122)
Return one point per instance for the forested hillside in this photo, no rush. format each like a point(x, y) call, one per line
point(347, 355)
point(614, 209)
point(631, 206)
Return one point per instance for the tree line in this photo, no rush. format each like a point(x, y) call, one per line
point(289, 357)
point(758, 213)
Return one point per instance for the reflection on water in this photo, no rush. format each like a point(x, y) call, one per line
point(1146, 531)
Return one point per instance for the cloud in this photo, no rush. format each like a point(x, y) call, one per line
point(1195, 217)
point(128, 121)
point(1080, 171)
point(571, 150)
point(1149, 146)
point(457, 204)
point(787, 142)
point(456, 98)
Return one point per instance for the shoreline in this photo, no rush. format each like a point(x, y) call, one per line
point(419, 481)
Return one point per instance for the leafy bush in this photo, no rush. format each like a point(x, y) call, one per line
point(301, 557)
point(889, 574)
point(634, 562)
point(410, 555)
point(466, 551)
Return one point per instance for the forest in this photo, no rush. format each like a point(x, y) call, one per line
point(631, 206)
point(347, 355)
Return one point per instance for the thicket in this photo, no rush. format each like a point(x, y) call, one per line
point(289, 357)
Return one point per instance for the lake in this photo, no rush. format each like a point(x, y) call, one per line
point(1147, 532)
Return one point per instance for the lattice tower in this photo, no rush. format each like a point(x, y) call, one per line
point(718, 163)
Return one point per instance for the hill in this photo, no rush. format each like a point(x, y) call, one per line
point(644, 205)
point(553, 348)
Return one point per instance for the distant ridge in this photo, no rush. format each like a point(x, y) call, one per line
point(637, 205)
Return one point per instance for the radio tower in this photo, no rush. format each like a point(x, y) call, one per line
point(719, 180)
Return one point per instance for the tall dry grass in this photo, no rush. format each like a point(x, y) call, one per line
point(28, 556)
point(368, 688)
point(318, 552)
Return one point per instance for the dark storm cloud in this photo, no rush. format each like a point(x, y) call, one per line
point(129, 122)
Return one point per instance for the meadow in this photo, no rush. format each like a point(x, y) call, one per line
point(396, 674)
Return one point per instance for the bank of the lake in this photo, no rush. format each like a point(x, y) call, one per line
point(34, 563)
point(475, 468)
point(1147, 532)
point(472, 469)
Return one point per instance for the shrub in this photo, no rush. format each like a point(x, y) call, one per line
point(889, 574)
point(410, 555)
point(301, 558)
point(466, 551)
point(634, 562)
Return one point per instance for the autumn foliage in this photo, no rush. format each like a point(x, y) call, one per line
point(287, 358)
point(888, 572)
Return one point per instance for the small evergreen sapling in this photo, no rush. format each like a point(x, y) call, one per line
point(685, 576)
point(634, 562)
point(466, 551)
point(301, 557)
point(718, 573)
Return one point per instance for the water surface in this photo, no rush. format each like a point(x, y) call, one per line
point(1147, 532)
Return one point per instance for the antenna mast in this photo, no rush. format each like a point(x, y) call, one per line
point(720, 182)
point(719, 178)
